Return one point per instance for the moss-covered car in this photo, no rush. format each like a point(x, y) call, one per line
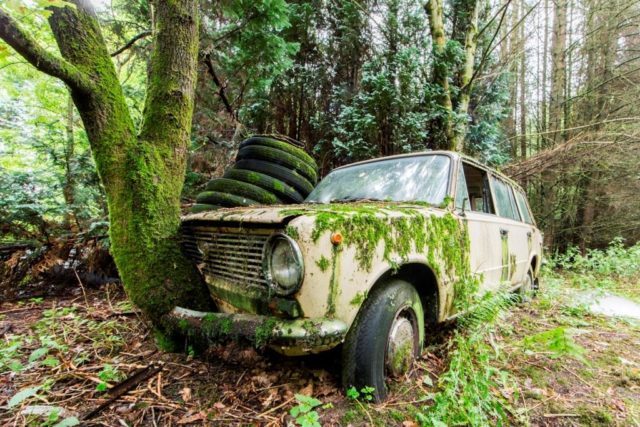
point(379, 252)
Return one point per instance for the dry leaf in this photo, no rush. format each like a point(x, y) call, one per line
point(192, 419)
point(186, 394)
point(307, 391)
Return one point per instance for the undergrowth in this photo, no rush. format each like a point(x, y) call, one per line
point(474, 391)
point(469, 390)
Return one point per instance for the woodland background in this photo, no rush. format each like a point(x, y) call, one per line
point(543, 90)
point(552, 102)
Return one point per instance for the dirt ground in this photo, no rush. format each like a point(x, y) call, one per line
point(88, 355)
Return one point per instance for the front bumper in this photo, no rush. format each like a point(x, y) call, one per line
point(290, 337)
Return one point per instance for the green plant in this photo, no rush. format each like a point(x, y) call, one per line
point(467, 392)
point(304, 413)
point(10, 354)
point(365, 393)
point(558, 342)
point(109, 373)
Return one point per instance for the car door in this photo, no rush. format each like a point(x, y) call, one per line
point(514, 233)
point(474, 204)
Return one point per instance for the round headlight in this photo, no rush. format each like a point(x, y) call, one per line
point(283, 265)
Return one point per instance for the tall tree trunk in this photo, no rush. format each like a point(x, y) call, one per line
point(435, 11)
point(142, 175)
point(543, 85)
point(523, 86)
point(511, 120)
point(69, 186)
point(558, 71)
point(465, 31)
point(466, 72)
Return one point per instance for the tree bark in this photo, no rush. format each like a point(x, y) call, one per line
point(543, 85)
point(69, 186)
point(466, 31)
point(434, 9)
point(470, 12)
point(142, 175)
point(558, 72)
point(523, 87)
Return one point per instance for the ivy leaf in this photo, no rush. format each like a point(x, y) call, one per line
point(22, 395)
point(68, 422)
point(51, 362)
point(38, 353)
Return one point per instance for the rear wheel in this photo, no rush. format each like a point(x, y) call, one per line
point(528, 289)
point(385, 338)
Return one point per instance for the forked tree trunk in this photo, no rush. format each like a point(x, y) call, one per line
point(142, 174)
point(454, 105)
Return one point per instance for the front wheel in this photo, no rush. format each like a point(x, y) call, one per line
point(385, 338)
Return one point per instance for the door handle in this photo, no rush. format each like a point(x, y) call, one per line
point(528, 234)
point(504, 231)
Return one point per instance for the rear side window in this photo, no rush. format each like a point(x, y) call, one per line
point(524, 208)
point(505, 201)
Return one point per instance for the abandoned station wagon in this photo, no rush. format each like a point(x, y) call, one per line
point(379, 252)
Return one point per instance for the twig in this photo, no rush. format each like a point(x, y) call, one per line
point(123, 387)
point(275, 408)
point(84, 294)
point(131, 42)
point(560, 415)
point(221, 87)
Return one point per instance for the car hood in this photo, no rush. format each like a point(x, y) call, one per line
point(260, 214)
point(279, 214)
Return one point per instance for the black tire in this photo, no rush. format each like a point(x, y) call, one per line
point(527, 291)
point(264, 141)
point(203, 207)
point(279, 157)
point(285, 192)
point(224, 199)
point(299, 183)
point(364, 354)
point(242, 189)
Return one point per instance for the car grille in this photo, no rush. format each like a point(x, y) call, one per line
point(234, 257)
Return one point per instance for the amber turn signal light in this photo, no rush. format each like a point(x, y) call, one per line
point(336, 238)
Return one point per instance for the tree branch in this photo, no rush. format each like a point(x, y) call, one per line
point(39, 57)
point(132, 42)
point(221, 92)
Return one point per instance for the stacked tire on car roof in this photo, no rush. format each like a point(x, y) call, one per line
point(268, 170)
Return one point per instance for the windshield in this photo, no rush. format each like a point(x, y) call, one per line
point(419, 178)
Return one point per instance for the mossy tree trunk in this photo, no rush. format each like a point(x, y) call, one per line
point(454, 101)
point(143, 173)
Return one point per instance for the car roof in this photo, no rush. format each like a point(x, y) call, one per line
point(453, 154)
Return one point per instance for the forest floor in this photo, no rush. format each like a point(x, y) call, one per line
point(552, 362)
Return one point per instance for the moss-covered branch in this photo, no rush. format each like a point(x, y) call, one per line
point(39, 57)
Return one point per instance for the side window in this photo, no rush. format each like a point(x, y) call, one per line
point(462, 194)
point(524, 208)
point(478, 190)
point(504, 199)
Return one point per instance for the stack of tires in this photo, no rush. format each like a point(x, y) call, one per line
point(268, 170)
